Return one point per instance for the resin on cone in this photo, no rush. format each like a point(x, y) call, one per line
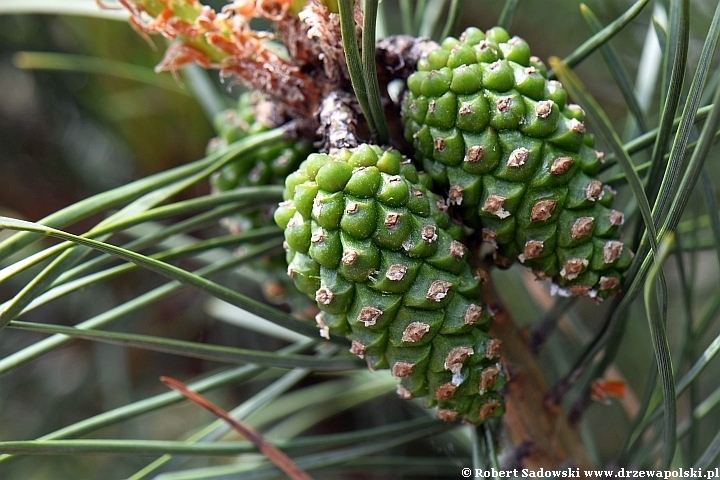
point(510, 150)
point(368, 240)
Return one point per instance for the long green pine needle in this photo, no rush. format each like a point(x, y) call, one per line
point(369, 68)
point(175, 273)
point(657, 317)
point(354, 61)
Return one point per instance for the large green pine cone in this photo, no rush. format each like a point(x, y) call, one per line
point(376, 249)
point(489, 127)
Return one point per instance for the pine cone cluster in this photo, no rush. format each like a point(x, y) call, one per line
point(381, 241)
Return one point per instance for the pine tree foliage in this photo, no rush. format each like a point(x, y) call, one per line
point(409, 164)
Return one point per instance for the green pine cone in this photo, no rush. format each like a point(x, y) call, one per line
point(490, 128)
point(368, 240)
point(268, 165)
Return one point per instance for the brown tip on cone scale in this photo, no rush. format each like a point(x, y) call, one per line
point(391, 220)
point(600, 156)
point(417, 193)
point(439, 144)
point(352, 207)
point(482, 275)
point(324, 329)
point(349, 257)
point(560, 165)
point(543, 108)
point(581, 227)
point(431, 106)
point(472, 314)
point(542, 210)
point(465, 109)
point(317, 236)
point(396, 272)
point(501, 260)
point(428, 233)
point(494, 348)
point(608, 283)
point(579, 290)
point(447, 415)
point(612, 251)
point(324, 296)
point(532, 249)
point(555, 84)
point(503, 104)
point(369, 315)
point(518, 157)
point(438, 290)
point(457, 249)
point(489, 236)
point(488, 409)
point(455, 196)
point(577, 126)
point(291, 272)
point(255, 174)
point(474, 153)
point(540, 275)
point(404, 393)
point(494, 204)
point(357, 348)
point(488, 377)
point(274, 291)
point(572, 268)
point(531, 70)
point(415, 331)
point(616, 218)
point(441, 205)
point(445, 391)
point(402, 369)
point(593, 190)
point(456, 357)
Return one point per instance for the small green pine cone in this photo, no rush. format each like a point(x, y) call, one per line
point(268, 165)
point(502, 140)
point(368, 240)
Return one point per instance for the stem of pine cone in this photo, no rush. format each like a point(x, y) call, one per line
point(540, 433)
